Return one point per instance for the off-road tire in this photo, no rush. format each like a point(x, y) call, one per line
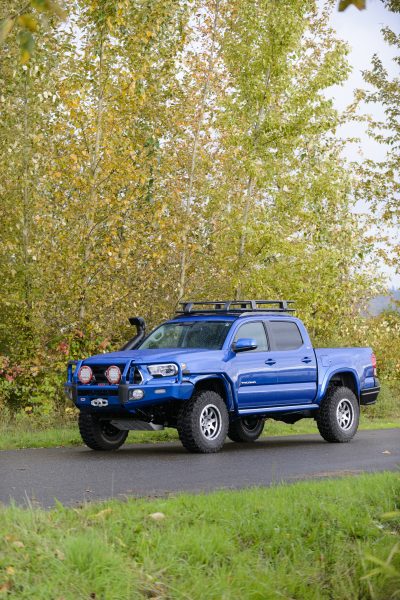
point(246, 429)
point(190, 428)
point(99, 434)
point(329, 419)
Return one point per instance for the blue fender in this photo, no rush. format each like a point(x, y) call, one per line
point(322, 387)
point(227, 383)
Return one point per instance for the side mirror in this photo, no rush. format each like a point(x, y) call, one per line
point(244, 344)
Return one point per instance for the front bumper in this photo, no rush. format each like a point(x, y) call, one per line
point(115, 399)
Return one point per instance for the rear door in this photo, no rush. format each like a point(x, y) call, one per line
point(295, 363)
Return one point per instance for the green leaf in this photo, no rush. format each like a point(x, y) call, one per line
point(5, 27)
point(360, 4)
point(28, 22)
point(50, 6)
point(26, 43)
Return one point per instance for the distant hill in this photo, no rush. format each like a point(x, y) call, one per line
point(381, 303)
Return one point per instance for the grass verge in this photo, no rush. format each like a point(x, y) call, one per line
point(311, 540)
point(15, 437)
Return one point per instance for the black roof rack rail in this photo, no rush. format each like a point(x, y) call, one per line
point(236, 306)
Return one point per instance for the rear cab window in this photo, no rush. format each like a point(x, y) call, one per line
point(284, 335)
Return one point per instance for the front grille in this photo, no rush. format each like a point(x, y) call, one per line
point(99, 372)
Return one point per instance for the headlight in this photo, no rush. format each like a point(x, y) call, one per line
point(85, 374)
point(168, 370)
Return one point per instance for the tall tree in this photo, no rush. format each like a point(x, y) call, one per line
point(381, 179)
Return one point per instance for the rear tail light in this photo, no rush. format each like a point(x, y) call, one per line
point(85, 374)
point(373, 360)
point(113, 374)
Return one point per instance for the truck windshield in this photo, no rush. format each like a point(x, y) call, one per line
point(193, 334)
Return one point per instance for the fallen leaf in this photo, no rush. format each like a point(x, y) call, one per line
point(5, 587)
point(102, 513)
point(157, 516)
point(60, 555)
point(10, 571)
point(18, 544)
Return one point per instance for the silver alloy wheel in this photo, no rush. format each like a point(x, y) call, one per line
point(210, 422)
point(345, 414)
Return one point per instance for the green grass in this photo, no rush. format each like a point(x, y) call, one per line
point(23, 436)
point(331, 539)
point(26, 431)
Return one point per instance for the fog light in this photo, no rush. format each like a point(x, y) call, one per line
point(136, 394)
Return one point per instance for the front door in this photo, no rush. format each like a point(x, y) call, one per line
point(253, 370)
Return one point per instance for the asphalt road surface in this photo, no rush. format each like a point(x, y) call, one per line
point(77, 475)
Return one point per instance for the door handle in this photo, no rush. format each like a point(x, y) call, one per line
point(306, 359)
point(270, 361)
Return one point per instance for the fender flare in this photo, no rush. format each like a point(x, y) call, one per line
point(331, 373)
point(228, 386)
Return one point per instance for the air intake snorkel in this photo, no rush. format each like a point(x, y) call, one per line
point(140, 325)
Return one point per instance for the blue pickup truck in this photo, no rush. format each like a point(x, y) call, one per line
point(220, 369)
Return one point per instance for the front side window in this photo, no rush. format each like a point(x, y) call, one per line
point(209, 335)
point(256, 331)
point(285, 335)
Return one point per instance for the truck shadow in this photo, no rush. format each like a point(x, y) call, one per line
point(160, 449)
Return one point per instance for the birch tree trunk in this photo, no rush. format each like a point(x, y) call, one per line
point(26, 209)
point(94, 170)
point(250, 188)
point(193, 162)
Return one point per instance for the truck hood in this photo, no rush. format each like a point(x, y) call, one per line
point(147, 356)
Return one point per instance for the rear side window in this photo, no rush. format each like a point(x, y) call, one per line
point(285, 335)
point(256, 331)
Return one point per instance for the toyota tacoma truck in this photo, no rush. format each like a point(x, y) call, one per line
point(220, 369)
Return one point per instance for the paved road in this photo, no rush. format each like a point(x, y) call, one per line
point(76, 475)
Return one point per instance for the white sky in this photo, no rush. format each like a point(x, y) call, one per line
point(361, 30)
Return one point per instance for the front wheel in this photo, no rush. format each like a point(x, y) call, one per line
point(203, 422)
point(99, 434)
point(247, 429)
point(338, 415)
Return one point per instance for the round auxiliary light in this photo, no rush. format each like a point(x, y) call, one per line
point(136, 394)
point(113, 374)
point(85, 374)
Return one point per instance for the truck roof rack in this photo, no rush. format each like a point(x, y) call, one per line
point(236, 306)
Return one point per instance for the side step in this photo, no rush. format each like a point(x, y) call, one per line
point(289, 408)
point(135, 425)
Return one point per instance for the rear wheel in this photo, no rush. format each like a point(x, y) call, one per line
point(99, 434)
point(338, 415)
point(203, 422)
point(247, 429)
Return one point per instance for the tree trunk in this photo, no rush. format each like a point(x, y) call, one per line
point(26, 216)
point(94, 169)
point(193, 162)
point(250, 189)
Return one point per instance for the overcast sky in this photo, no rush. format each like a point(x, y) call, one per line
point(362, 31)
